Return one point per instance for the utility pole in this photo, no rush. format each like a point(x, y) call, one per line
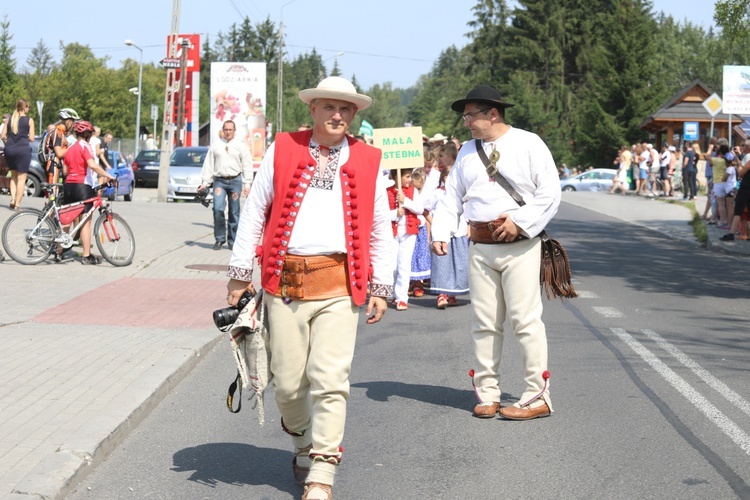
point(167, 142)
point(280, 83)
point(181, 99)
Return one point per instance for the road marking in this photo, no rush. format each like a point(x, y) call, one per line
point(723, 422)
point(584, 294)
point(609, 312)
point(701, 372)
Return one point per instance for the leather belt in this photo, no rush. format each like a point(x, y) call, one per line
point(227, 178)
point(314, 277)
point(481, 232)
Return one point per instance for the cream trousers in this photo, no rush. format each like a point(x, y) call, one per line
point(312, 347)
point(504, 282)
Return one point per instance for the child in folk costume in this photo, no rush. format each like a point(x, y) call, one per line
point(406, 205)
point(450, 272)
point(420, 261)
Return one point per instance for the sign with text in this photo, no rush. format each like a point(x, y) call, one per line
point(401, 147)
point(690, 131)
point(238, 93)
point(193, 44)
point(736, 90)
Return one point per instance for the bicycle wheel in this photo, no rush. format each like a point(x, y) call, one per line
point(115, 239)
point(28, 238)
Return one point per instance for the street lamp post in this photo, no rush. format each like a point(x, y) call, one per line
point(140, 91)
point(280, 88)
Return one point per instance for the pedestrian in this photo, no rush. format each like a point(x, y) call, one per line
point(103, 152)
point(79, 157)
point(229, 167)
point(150, 142)
point(664, 160)
point(420, 260)
point(406, 205)
point(92, 178)
point(742, 196)
point(623, 167)
point(504, 258)
point(449, 272)
point(689, 171)
point(322, 199)
point(17, 136)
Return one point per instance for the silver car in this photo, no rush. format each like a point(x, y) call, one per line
point(185, 172)
point(598, 179)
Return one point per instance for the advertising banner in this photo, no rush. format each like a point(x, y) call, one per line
point(192, 83)
point(736, 90)
point(238, 93)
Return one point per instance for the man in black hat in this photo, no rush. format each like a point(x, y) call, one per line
point(505, 252)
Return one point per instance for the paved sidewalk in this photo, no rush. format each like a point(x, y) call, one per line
point(89, 351)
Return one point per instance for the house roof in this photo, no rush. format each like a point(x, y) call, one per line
point(685, 106)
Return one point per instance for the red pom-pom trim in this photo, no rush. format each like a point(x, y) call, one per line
point(545, 374)
point(471, 373)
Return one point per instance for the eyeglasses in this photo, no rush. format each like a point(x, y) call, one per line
point(470, 116)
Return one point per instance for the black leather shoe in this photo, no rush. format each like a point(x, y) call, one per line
point(230, 246)
point(217, 245)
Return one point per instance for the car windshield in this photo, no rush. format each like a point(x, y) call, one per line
point(188, 157)
point(148, 156)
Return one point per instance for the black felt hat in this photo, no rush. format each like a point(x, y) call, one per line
point(481, 93)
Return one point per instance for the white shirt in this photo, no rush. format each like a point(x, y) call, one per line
point(319, 227)
point(665, 157)
point(228, 159)
point(431, 182)
point(527, 164)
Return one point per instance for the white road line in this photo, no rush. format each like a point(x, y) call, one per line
point(726, 425)
point(609, 312)
point(704, 375)
point(584, 294)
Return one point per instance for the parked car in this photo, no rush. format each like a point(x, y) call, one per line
point(599, 179)
point(36, 175)
point(185, 172)
point(146, 167)
point(125, 177)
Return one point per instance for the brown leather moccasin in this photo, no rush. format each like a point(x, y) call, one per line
point(322, 489)
point(300, 473)
point(486, 411)
point(525, 413)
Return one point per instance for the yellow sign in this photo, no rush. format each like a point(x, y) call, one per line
point(713, 105)
point(401, 147)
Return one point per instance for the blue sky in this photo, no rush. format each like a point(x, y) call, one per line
point(383, 41)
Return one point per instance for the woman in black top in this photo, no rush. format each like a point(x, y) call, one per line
point(17, 135)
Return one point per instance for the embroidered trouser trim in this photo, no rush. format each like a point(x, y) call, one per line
point(313, 346)
point(504, 282)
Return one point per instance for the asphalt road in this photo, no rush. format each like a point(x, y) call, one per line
point(649, 385)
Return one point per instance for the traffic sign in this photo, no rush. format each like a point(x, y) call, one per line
point(170, 62)
point(713, 105)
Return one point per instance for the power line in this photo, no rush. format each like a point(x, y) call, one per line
point(361, 53)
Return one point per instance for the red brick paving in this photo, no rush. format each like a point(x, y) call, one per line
point(155, 303)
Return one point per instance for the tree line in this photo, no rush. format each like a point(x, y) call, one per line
point(583, 74)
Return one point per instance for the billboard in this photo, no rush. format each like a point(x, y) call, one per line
point(192, 83)
point(238, 93)
point(736, 90)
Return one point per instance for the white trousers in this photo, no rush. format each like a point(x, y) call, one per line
point(504, 282)
point(404, 251)
point(312, 347)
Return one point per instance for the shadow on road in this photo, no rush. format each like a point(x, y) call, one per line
point(237, 464)
point(432, 394)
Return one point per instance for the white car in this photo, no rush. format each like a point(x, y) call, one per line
point(185, 172)
point(598, 179)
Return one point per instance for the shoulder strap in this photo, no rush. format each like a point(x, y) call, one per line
point(496, 175)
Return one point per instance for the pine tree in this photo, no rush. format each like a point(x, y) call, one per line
point(8, 80)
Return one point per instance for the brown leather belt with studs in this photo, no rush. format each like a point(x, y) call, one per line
point(314, 277)
point(481, 232)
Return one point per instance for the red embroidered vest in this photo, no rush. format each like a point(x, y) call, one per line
point(293, 170)
point(412, 221)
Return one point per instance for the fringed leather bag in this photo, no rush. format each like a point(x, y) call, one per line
point(554, 272)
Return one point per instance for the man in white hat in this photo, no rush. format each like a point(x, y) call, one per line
point(318, 216)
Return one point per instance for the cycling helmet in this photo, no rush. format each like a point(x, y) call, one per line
point(82, 126)
point(68, 113)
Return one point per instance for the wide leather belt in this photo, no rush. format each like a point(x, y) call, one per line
point(314, 277)
point(481, 232)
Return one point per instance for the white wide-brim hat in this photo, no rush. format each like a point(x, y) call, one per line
point(438, 138)
point(335, 87)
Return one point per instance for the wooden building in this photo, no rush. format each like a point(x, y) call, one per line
point(668, 121)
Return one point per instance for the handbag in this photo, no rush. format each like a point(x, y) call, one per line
point(554, 271)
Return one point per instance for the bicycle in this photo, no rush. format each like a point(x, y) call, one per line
point(31, 235)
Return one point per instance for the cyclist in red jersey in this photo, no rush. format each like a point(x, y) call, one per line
point(78, 159)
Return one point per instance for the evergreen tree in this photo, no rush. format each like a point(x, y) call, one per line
point(9, 89)
point(40, 59)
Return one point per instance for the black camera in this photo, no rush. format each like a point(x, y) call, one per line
point(227, 316)
point(202, 196)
